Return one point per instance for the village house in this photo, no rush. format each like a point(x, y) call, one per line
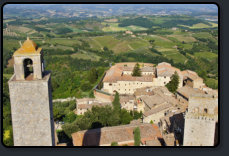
point(129, 32)
point(123, 135)
point(192, 79)
point(185, 92)
point(85, 104)
point(128, 102)
point(155, 103)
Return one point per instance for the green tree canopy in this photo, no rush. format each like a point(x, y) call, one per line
point(136, 71)
point(173, 84)
point(93, 75)
point(125, 117)
point(116, 102)
point(137, 137)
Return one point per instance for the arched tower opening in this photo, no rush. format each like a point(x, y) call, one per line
point(28, 68)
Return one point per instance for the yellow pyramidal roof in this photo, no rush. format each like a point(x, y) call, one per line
point(28, 47)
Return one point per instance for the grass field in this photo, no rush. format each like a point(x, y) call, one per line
point(208, 55)
point(205, 35)
point(181, 38)
point(113, 27)
point(201, 25)
point(175, 56)
point(86, 56)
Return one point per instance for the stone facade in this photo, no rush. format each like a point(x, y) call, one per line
point(31, 109)
point(199, 132)
point(119, 77)
point(200, 121)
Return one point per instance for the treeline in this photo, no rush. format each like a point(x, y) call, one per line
point(174, 21)
point(50, 52)
point(62, 30)
point(139, 21)
point(7, 123)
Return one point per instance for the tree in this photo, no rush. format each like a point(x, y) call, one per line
point(137, 137)
point(86, 86)
point(70, 117)
point(136, 71)
point(173, 84)
point(114, 143)
point(116, 102)
point(125, 117)
point(93, 75)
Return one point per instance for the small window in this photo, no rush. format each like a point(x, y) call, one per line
point(205, 110)
point(165, 77)
point(110, 84)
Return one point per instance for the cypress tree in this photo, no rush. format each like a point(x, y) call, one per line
point(137, 137)
point(136, 71)
point(173, 84)
point(116, 102)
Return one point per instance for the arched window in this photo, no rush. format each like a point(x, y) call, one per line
point(205, 110)
point(28, 67)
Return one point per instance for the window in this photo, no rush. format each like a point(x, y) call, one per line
point(28, 67)
point(110, 84)
point(205, 110)
point(165, 77)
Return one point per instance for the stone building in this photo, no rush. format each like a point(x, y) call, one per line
point(31, 99)
point(123, 135)
point(201, 121)
point(191, 79)
point(119, 77)
point(173, 123)
point(185, 92)
point(128, 102)
point(85, 104)
point(165, 72)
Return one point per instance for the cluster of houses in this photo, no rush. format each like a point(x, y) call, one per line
point(163, 111)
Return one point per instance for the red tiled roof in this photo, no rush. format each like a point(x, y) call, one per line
point(120, 134)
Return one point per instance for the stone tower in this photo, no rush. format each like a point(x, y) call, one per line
point(201, 120)
point(31, 98)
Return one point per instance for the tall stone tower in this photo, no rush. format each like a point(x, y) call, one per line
point(31, 99)
point(201, 120)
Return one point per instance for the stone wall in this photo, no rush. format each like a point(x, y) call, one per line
point(197, 104)
point(31, 109)
point(199, 132)
point(102, 96)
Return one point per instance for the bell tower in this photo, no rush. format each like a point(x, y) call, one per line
point(31, 98)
